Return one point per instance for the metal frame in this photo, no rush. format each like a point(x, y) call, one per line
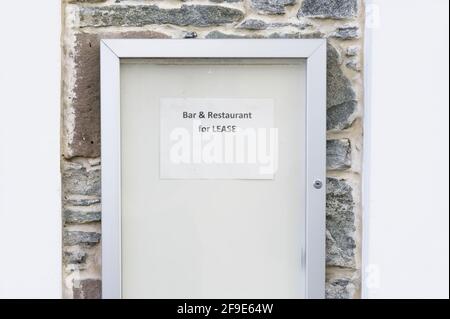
point(313, 50)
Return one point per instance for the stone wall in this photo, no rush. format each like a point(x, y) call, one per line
point(88, 21)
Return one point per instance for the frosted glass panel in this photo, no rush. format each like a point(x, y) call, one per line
point(211, 238)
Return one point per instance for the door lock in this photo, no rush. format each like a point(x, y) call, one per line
point(318, 184)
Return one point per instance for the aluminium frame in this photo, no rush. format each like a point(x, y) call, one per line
point(313, 50)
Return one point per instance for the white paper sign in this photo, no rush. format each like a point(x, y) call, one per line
point(217, 139)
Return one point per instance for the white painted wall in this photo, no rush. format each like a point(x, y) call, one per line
point(30, 218)
point(406, 150)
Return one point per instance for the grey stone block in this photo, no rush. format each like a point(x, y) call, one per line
point(74, 216)
point(140, 15)
point(339, 117)
point(222, 35)
point(340, 288)
point(226, 1)
point(74, 257)
point(346, 33)
point(253, 24)
point(272, 6)
point(340, 222)
point(339, 87)
point(275, 35)
point(335, 9)
point(82, 201)
point(353, 64)
point(78, 180)
point(339, 154)
point(72, 238)
point(352, 51)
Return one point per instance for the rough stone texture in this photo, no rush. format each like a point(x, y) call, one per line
point(74, 216)
point(272, 6)
point(352, 51)
point(340, 288)
point(340, 208)
point(222, 35)
point(216, 1)
point(257, 25)
point(339, 154)
point(254, 24)
point(87, 21)
point(74, 257)
point(274, 35)
point(80, 180)
point(86, 92)
point(335, 9)
point(279, 35)
point(82, 200)
point(311, 35)
point(87, 289)
point(190, 35)
point(226, 1)
point(340, 117)
point(346, 33)
point(140, 15)
point(86, 1)
point(80, 237)
point(353, 64)
point(340, 89)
